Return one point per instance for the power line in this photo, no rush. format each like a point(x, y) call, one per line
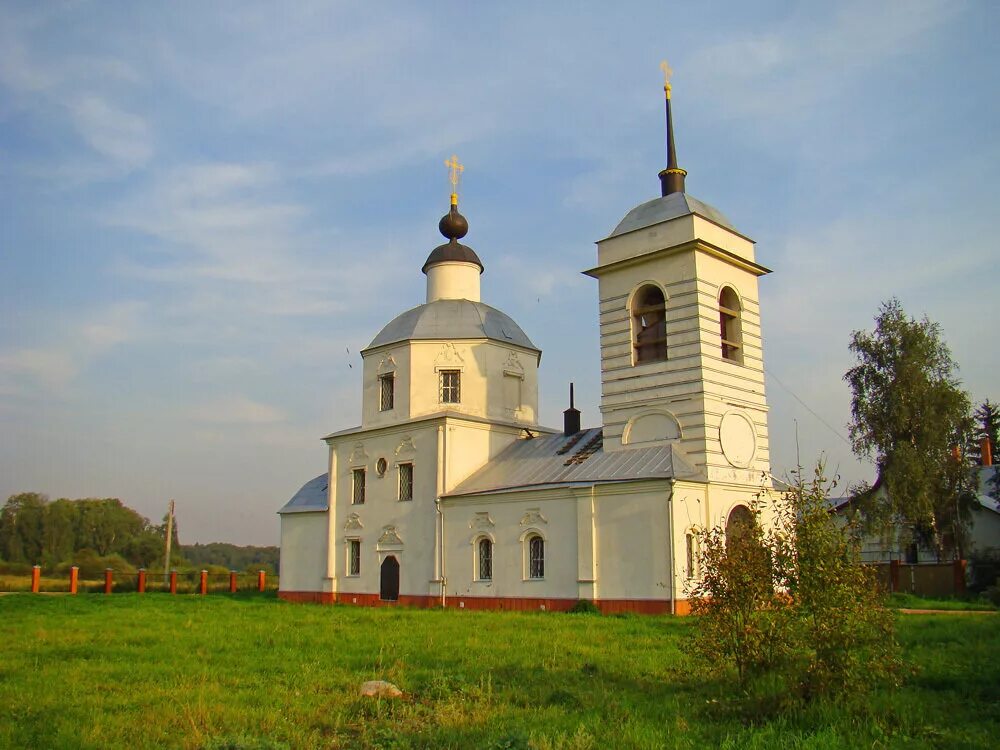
point(830, 427)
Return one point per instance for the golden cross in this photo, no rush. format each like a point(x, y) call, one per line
point(667, 72)
point(454, 173)
point(454, 170)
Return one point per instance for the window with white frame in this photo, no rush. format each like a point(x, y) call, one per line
point(536, 557)
point(451, 387)
point(484, 559)
point(358, 487)
point(353, 557)
point(386, 391)
point(405, 482)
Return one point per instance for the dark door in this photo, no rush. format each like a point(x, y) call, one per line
point(389, 588)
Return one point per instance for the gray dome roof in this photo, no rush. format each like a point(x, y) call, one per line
point(669, 207)
point(453, 319)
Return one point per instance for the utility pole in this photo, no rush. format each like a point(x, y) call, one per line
point(170, 537)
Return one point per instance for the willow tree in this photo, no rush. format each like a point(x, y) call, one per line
point(910, 415)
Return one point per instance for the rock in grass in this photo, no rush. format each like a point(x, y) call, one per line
point(380, 689)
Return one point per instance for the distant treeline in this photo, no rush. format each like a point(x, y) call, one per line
point(95, 533)
point(231, 556)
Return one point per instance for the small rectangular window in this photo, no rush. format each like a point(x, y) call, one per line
point(386, 388)
point(451, 387)
point(353, 557)
point(358, 493)
point(406, 481)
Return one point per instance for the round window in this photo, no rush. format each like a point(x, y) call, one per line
point(380, 466)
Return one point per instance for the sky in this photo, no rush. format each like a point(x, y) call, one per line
point(208, 209)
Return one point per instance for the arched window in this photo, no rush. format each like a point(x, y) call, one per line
point(739, 525)
point(729, 325)
point(485, 560)
point(649, 325)
point(536, 557)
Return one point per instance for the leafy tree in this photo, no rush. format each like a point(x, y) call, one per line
point(908, 413)
point(59, 531)
point(106, 525)
point(21, 521)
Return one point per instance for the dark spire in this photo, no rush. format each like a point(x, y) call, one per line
point(571, 417)
point(671, 178)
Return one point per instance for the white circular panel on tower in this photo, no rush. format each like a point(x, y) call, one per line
point(738, 437)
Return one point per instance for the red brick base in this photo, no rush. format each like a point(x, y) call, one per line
point(518, 604)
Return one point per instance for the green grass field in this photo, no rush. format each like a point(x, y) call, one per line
point(253, 672)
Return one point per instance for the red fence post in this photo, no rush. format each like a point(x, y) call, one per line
point(261, 580)
point(107, 580)
point(36, 576)
point(232, 581)
point(203, 585)
point(74, 578)
point(173, 581)
point(959, 574)
point(893, 576)
point(142, 581)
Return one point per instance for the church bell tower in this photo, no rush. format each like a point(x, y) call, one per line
point(681, 348)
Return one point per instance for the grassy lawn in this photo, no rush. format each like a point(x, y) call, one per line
point(253, 672)
point(911, 601)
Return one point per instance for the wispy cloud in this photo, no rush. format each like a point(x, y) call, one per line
point(52, 366)
point(236, 410)
point(121, 136)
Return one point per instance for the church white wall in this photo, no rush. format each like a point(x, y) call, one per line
point(633, 532)
point(394, 359)
point(443, 452)
point(508, 520)
point(384, 524)
point(453, 281)
point(303, 552)
point(485, 368)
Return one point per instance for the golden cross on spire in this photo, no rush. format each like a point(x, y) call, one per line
point(667, 72)
point(454, 175)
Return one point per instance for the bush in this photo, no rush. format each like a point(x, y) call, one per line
point(584, 607)
point(993, 595)
point(92, 565)
point(794, 602)
point(15, 568)
point(744, 619)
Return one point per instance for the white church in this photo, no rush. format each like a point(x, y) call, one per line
point(451, 494)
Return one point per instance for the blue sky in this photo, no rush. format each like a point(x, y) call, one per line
point(207, 210)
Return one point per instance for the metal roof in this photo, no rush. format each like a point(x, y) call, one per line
point(560, 460)
point(669, 207)
point(453, 319)
point(311, 498)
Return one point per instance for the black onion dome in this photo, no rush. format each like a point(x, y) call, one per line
point(453, 226)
